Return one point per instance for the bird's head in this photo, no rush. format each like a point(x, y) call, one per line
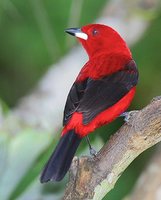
point(98, 38)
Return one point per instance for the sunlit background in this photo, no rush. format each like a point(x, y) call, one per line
point(32, 39)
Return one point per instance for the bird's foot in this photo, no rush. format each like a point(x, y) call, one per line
point(128, 115)
point(93, 152)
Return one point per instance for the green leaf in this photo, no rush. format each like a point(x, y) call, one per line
point(36, 191)
point(23, 150)
point(4, 140)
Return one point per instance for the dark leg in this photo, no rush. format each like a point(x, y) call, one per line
point(92, 151)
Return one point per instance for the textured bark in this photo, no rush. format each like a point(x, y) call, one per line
point(92, 178)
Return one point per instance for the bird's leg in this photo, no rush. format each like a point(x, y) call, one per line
point(127, 115)
point(92, 151)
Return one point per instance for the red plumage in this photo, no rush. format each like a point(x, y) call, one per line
point(104, 117)
point(102, 91)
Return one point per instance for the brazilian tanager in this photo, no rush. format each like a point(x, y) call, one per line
point(102, 91)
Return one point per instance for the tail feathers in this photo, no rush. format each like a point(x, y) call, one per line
point(60, 160)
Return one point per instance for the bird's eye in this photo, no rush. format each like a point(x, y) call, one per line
point(94, 32)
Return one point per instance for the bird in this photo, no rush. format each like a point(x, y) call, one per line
point(102, 91)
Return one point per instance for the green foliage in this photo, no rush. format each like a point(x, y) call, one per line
point(3, 107)
point(18, 154)
point(147, 55)
point(32, 38)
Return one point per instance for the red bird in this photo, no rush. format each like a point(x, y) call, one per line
point(102, 91)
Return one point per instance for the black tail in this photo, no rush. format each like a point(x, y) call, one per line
point(60, 160)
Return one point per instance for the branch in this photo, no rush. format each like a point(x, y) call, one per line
point(93, 178)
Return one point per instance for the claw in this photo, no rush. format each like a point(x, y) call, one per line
point(127, 115)
point(93, 152)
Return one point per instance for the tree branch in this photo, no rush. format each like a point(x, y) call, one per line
point(93, 178)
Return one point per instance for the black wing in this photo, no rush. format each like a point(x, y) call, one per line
point(93, 96)
point(73, 100)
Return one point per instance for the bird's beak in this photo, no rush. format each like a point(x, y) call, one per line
point(77, 32)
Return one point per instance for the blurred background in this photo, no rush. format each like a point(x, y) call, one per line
point(32, 42)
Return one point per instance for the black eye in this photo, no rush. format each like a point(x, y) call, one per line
point(94, 32)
